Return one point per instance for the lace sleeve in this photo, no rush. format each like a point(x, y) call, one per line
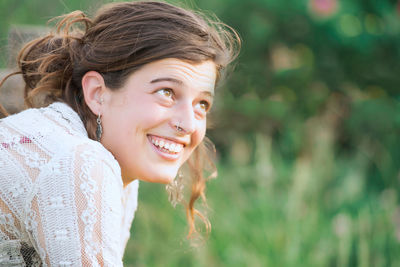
point(74, 215)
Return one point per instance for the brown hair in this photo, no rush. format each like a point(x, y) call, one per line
point(120, 39)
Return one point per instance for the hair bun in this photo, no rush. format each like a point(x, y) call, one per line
point(46, 62)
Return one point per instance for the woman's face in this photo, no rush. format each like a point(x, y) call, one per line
point(154, 122)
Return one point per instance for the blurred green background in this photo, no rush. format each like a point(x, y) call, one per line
point(307, 130)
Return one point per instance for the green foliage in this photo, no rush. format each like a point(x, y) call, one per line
point(38, 12)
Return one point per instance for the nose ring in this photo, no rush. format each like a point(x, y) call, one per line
point(178, 127)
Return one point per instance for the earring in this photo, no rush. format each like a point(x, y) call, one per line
point(99, 129)
point(175, 190)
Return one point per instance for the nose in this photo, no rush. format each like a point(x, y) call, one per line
point(184, 121)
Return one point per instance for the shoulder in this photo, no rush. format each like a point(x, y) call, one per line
point(84, 159)
point(55, 121)
point(57, 133)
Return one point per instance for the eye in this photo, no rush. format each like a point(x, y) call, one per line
point(204, 105)
point(167, 92)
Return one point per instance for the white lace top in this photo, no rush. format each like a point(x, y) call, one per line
point(62, 201)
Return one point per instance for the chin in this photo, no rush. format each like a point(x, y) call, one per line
point(159, 178)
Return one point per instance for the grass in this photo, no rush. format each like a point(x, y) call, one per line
point(319, 208)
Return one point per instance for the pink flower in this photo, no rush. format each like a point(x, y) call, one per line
point(324, 8)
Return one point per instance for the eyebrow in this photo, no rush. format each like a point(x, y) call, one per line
point(208, 93)
point(167, 79)
point(179, 82)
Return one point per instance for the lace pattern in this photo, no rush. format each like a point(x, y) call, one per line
point(62, 202)
point(89, 188)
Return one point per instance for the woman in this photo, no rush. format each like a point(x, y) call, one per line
point(117, 99)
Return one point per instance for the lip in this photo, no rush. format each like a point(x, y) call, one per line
point(165, 155)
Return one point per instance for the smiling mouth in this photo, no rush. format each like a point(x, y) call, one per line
point(165, 145)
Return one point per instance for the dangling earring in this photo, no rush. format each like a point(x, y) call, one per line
point(99, 129)
point(175, 190)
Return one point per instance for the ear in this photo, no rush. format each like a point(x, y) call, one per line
point(93, 87)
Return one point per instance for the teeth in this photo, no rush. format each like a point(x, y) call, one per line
point(172, 147)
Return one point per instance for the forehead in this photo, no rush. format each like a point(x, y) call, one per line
point(202, 75)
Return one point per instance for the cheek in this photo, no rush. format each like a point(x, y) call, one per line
point(200, 133)
point(142, 115)
point(150, 119)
